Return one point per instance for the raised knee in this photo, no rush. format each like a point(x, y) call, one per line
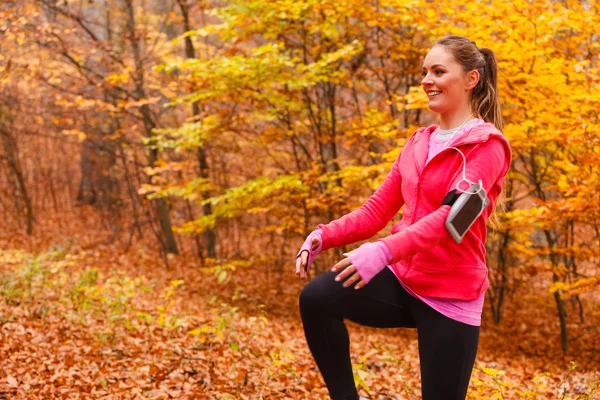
point(306, 296)
point(312, 295)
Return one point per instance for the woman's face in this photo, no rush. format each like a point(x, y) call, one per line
point(445, 82)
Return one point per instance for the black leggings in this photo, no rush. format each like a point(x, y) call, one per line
point(447, 348)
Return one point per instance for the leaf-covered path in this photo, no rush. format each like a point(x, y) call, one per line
point(82, 318)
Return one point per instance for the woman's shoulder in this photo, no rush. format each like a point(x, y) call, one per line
point(494, 139)
point(486, 128)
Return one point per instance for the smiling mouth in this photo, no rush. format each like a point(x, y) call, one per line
point(433, 94)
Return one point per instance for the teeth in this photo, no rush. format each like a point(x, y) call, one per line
point(431, 94)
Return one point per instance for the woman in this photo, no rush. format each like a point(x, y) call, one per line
point(418, 277)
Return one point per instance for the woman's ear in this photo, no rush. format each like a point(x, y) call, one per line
point(472, 79)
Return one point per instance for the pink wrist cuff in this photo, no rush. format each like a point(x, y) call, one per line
point(308, 245)
point(370, 258)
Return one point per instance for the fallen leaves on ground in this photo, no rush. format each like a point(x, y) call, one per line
point(84, 319)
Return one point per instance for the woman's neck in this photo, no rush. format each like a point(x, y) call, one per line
point(455, 119)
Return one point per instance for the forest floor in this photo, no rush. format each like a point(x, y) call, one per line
point(82, 316)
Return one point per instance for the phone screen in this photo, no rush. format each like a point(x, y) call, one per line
point(467, 214)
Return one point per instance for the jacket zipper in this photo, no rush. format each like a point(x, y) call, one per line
point(417, 206)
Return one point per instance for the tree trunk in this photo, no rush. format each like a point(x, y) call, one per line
point(87, 192)
point(162, 208)
point(11, 156)
point(210, 236)
point(551, 241)
point(501, 281)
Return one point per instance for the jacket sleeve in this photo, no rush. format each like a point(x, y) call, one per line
point(489, 163)
point(364, 222)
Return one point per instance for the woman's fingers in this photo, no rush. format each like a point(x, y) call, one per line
point(302, 259)
point(353, 278)
point(301, 262)
point(341, 264)
point(348, 270)
point(360, 284)
point(303, 266)
point(298, 264)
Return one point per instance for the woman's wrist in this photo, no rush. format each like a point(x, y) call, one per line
point(307, 246)
point(370, 258)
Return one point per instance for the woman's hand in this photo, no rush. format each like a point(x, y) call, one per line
point(349, 270)
point(362, 264)
point(308, 251)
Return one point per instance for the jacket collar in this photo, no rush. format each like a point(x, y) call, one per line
point(478, 133)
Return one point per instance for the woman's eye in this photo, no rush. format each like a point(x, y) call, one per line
point(437, 72)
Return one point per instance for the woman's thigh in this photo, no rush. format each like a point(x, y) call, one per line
point(382, 303)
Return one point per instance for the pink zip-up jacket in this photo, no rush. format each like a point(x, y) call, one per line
point(424, 256)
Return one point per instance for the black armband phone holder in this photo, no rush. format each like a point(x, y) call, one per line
point(465, 209)
point(450, 198)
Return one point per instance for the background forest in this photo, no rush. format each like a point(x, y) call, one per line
point(161, 162)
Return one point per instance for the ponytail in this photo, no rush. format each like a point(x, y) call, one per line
point(484, 97)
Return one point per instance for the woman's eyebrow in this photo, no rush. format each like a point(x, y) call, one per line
point(435, 65)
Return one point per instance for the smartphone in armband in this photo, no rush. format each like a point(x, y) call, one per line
point(466, 209)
